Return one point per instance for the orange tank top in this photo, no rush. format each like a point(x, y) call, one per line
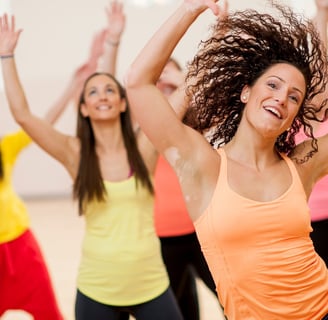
point(260, 253)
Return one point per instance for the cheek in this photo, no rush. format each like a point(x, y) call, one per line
point(294, 111)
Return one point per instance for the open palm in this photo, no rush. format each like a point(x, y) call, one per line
point(8, 35)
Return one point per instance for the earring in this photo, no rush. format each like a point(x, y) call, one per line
point(244, 98)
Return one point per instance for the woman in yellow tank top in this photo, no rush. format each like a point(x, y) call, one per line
point(252, 85)
point(21, 257)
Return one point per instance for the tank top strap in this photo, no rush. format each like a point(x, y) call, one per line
point(223, 176)
point(131, 173)
point(295, 176)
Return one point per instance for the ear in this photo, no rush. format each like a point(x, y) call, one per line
point(244, 95)
point(84, 110)
point(123, 105)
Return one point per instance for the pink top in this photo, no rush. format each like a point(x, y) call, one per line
point(318, 201)
point(171, 215)
point(260, 253)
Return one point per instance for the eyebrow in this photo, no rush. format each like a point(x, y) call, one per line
point(108, 85)
point(282, 80)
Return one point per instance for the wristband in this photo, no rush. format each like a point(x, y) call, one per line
point(113, 43)
point(6, 56)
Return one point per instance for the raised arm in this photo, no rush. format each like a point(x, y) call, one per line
point(320, 160)
point(56, 144)
point(150, 107)
point(320, 19)
point(115, 28)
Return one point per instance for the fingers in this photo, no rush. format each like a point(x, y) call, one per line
point(115, 7)
point(223, 8)
point(4, 22)
point(12, 23)
point(212, 4)
point(5, 26)
point(8, 34)
point(201, 5)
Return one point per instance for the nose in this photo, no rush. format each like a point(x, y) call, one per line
point(103, 96)
point(281, 97)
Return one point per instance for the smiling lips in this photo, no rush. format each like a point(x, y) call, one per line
point(273, 111)
point(103, 107)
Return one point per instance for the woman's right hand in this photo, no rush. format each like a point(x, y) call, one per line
point(8, 35)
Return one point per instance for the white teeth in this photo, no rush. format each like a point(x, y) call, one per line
point(273, 110)
point(103, 107)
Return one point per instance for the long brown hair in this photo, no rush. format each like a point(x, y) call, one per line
point(89, 184)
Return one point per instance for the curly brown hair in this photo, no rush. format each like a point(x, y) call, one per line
point(242, 46)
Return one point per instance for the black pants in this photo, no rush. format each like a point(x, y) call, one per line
point(164, 307)
point(319, 237)
point(184, 260)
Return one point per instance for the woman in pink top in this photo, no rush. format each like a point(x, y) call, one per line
point(251, 86)
point(181, 250)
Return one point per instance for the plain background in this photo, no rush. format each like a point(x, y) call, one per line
point(55, 41)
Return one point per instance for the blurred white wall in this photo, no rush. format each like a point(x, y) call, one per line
point(54, 42)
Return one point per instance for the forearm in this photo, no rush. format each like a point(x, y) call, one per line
point(14, 90)
point(109, 59)
point(321, 24)
point(150, 62)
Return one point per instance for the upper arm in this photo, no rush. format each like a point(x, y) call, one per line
point(156, 117)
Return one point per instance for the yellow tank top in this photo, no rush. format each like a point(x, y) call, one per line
point(14, 218)
point(121, 260)
point(260, 253)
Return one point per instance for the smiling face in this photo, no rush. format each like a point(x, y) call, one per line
point(273, 102)
point(102, 99)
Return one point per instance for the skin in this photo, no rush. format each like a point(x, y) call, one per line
point(115, 27)
point(102, 105)
point(194, 160)
point(270, 108)
point(170, 79)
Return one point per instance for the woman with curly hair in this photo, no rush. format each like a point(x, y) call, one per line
point(251, 86)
